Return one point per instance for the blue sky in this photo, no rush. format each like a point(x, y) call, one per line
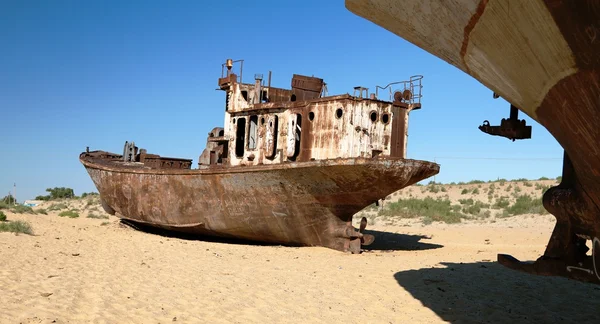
point(97, 73)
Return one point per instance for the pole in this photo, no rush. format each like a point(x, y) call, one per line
point(15, 192)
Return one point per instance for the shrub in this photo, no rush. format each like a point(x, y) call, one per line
point(57, 206)
point(475, 209)
point(86, 194)
point(485, 214)
point(16, 227)
point(466, 201)
point(501, 203)
point(96, 216)
point(69, 213)
point(527, 205)
point(22, 209)
point(433, 209)
point(475, 182)
point(464, 191)
point(2, 216)
point(475, 191)
point(41, 211)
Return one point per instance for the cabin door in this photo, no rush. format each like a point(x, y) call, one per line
point(270, 136)
point(291, 136)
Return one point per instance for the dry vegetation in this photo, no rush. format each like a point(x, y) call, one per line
point(88, 205)
point(457, 202)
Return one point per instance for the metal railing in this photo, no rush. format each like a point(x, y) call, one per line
point(229, 65)
point(405, 91)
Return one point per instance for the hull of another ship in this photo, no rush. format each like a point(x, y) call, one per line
point(304, 203)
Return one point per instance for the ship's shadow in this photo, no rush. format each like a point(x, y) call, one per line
point(487, 292)
point(387, 241)
point(384, 241)
point(191, 237)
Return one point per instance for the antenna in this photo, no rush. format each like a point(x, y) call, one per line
point(15, 193)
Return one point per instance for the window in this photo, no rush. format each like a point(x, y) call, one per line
point(253, 132)
point(240, 135)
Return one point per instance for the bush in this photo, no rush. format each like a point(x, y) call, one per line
point(475, 182)
point(485, 214)
point(475, 209)
point(501, 203)
point(16, 227)
point(96, 216)
point(58, 206)
point(69, 213)
point(85, 194)
point(467, 202)
point(41, 211)
point(527, 205)
point(475, 191)
point(429, 208)
point(2, 216)
point(22, 209)
point(464, 191)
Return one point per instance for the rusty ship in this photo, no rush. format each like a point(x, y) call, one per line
point(289, 166)
point(543, 57)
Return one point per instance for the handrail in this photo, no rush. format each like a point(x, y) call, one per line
point(413, 85)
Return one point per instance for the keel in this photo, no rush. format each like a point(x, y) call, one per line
point(567, 254)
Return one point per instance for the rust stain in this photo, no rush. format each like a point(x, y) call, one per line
point(288, 166)
point(467, 31)
point(570, 111)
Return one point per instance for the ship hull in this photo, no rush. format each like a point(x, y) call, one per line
point(304, 203)
point(542, 57)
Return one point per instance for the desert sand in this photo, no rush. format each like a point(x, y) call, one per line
point(83, 270)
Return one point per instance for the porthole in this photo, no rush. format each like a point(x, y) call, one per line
point(373, 116)
point(262, 120)
point(339, 112)
point(311, 116)
point(385, 118)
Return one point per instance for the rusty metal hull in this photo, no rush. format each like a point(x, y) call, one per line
point(543, 57)
point(304, 203)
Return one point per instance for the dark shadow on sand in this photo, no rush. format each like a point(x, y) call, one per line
point(386, 241)
point(487, 292)
point(191, 237)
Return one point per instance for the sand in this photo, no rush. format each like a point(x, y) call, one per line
point(80, 271)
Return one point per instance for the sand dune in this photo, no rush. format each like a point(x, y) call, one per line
point(79, 271)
